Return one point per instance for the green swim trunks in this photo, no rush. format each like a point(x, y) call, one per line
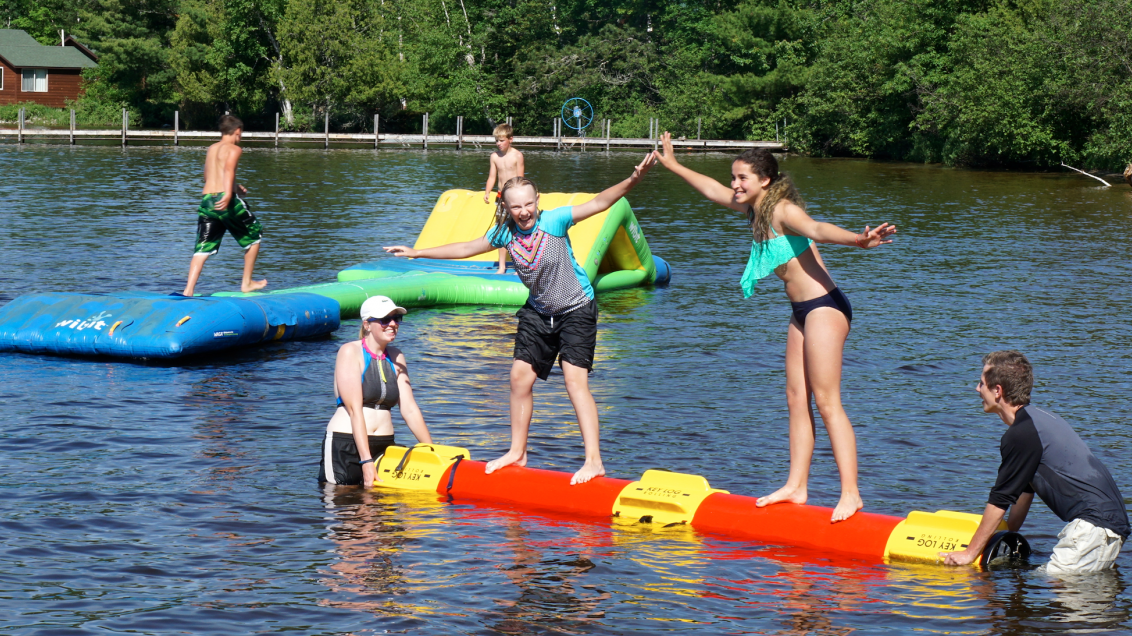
point(237, 219)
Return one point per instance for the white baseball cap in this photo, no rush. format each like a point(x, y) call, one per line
point(380, 307)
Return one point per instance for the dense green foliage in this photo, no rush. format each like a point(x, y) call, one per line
point(1022, 82)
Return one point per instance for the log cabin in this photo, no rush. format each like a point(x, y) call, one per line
point(33, 72)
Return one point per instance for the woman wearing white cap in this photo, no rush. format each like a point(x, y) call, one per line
point(370, 378)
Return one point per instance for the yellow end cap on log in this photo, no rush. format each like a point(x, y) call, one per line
point(923, 535)
point(663, 497)
point(418, 468)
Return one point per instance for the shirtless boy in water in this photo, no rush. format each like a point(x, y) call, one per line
point(506, 164)
point(221, 208)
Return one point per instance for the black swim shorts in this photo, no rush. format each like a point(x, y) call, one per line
point(341, 452)
point(570, 338)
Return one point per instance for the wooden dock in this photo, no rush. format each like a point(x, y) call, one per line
point(128, 137)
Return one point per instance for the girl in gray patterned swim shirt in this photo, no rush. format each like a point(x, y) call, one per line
point(559, 320)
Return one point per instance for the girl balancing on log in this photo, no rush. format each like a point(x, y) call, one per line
point(559, 319)
point(784, 244)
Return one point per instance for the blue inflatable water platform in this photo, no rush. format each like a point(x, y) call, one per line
point(146, 325)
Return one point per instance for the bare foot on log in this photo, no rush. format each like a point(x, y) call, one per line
point(786, 494)
point(588, 471)
point(517, 459)
point(847, 507)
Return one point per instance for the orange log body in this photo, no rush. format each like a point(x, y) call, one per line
point(864, 534)
point(664, 499)
point(533, 488)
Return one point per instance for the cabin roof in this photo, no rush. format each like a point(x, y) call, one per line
point(20, 50)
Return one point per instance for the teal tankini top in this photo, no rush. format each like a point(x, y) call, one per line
point(767, 255)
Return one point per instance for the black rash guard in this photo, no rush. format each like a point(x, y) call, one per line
point(1041, 453)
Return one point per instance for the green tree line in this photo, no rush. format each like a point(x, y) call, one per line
point(964, 82)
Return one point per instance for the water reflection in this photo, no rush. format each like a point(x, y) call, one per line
point(552, 593)
point(1090, 600)
point(369, 532)
point(810, 597)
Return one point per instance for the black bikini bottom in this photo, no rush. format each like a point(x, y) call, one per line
point(835, 299)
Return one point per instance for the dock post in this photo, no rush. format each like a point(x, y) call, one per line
point(21, 133)
point(125, 125)
point(276, 130)
point(376, 121)
point(698, 123)
point(424, 130)
point(326, 130)
point(776, 131)
point(558, 132)
point(459, 132)
point(509, 122)
point(176, 127)
point(72, 126)
point(608, 132)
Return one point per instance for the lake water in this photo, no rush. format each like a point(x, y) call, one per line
point(159, 499)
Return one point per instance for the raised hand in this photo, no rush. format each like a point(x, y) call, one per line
point(876, 236)
point(643, 167)
point(401, 250)
point(668, 156)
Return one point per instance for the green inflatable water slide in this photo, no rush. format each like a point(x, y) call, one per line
point(610, 246)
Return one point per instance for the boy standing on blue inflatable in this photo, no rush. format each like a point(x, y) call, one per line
point(559, 320)
point(221, 208)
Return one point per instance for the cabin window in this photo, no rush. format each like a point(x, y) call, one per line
point(35, 80)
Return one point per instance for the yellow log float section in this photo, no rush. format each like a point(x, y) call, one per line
point(923, 535)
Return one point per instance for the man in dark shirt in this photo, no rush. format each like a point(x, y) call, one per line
point(1042, 454)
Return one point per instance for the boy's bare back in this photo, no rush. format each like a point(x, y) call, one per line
point(220, 167)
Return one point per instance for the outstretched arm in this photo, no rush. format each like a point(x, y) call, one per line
point(408, 405)
point(713, 190)
point(473, 247)
point(609, 196)
point(796, 219)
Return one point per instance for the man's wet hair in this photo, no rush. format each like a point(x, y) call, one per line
point(1013, 372)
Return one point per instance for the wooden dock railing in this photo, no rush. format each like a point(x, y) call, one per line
point(73, 135)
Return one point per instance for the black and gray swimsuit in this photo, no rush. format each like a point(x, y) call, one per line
point(379, 387)
point(339, 450)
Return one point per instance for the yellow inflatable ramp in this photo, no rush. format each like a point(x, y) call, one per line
point(609, 246)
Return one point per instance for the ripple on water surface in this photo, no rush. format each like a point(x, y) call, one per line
point(151, 498)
